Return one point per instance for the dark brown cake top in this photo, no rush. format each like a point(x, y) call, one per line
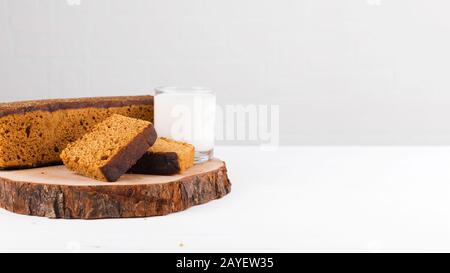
point(11, 108)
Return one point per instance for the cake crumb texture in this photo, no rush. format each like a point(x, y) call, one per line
point(34, 133)
point(110, 149)
point(166, 157)
point(184, 151)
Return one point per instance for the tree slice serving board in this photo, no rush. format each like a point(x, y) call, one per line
point(56, 192)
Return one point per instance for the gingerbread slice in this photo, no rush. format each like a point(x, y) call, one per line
point(110, 149)
point(166, 157)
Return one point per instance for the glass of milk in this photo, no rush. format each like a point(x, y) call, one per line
point(187, 114)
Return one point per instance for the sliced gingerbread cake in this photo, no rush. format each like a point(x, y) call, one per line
point(166, 157)
point(110, 149)
point(33, 133)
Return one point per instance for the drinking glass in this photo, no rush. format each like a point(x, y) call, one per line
point(187, 114)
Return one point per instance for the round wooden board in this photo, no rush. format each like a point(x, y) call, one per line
point(56, 192)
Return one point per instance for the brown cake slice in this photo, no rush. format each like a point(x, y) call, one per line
point(166, 157)
point(33, 133)
point(110, 149)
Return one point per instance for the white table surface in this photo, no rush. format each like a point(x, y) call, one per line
point(294, 199)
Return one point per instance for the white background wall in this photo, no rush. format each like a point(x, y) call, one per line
point(342, 71)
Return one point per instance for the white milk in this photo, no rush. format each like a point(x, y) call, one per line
point(186, 115)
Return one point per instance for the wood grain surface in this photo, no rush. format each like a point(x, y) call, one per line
point(56, 192)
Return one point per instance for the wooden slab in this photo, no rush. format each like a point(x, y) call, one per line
point(56, 192)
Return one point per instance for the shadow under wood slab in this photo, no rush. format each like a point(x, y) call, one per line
point(56, 192)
